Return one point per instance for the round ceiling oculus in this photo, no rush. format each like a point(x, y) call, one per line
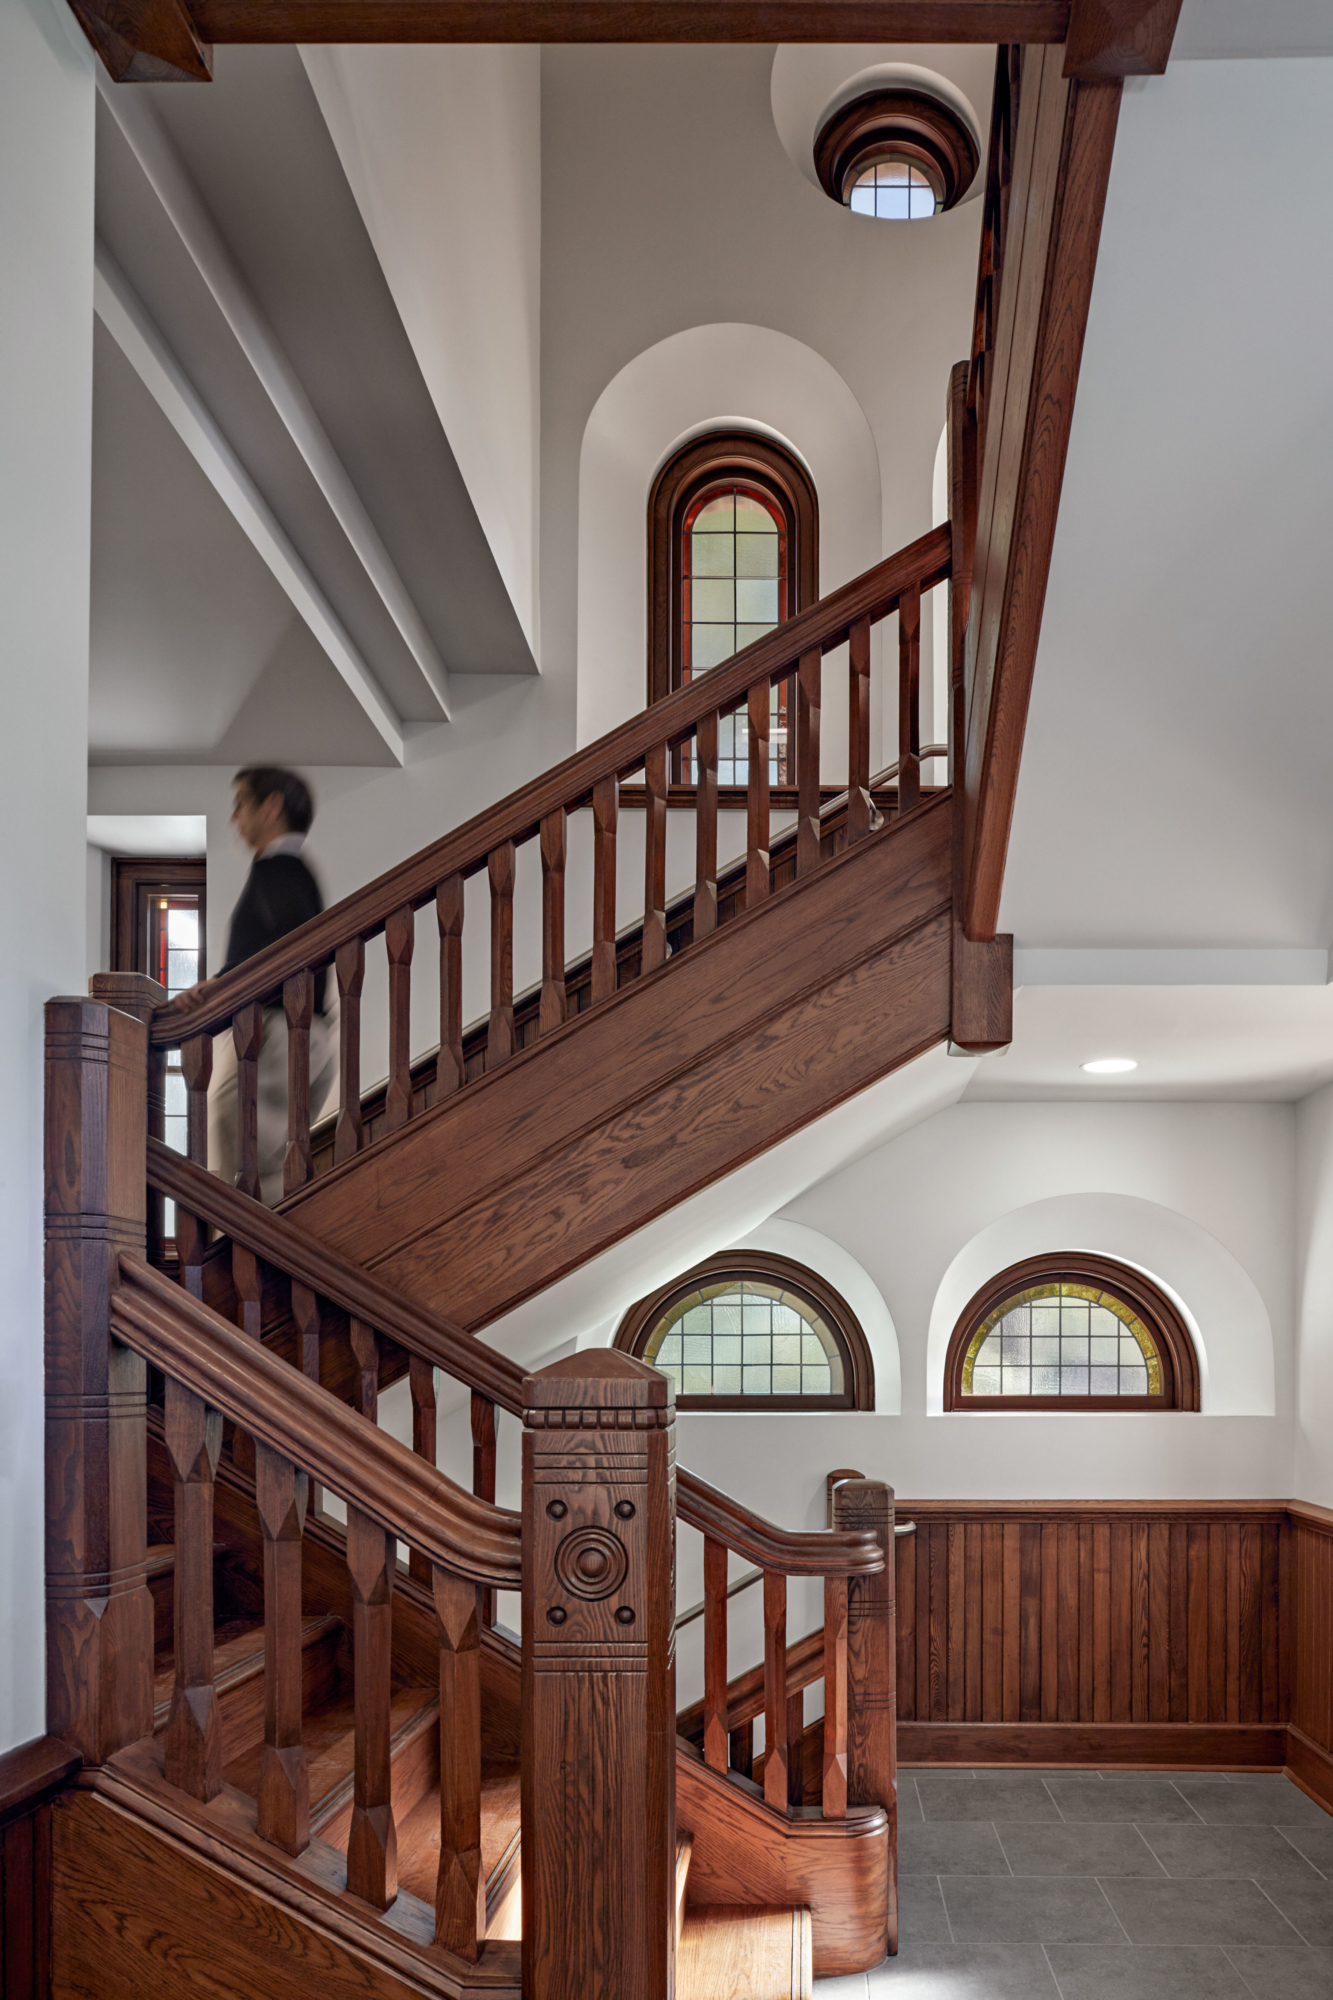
point(900, 155)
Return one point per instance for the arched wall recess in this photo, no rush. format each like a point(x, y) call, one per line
point(726, 376)
point(1219, 1301)
point(810, 81)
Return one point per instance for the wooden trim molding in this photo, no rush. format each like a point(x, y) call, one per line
point(1180, 1368)
point(134, 879)
point(858, 1368)
point(904, 124)
point(30, 1777)
point(721, 455)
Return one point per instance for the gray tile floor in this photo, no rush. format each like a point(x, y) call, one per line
point(1079, 1885)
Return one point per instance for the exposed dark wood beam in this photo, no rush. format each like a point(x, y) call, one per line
point(1062, 162)
point(146, 41)
point(143, 41)
point(1118, 38)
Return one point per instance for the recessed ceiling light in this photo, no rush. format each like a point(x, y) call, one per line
point(1109, 1065)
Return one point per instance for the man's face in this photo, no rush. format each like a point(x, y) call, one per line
point(257, 824)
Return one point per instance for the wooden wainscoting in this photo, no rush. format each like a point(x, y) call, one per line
point(30, 1776)
point(1310, 1723)
point(1104, 1633)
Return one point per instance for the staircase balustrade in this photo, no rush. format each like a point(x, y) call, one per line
point(283, 976)
point(301, 1431)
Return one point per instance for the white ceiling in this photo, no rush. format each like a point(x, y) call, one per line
point(1264, 1042)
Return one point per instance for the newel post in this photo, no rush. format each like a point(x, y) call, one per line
point(599, 1680)
point(872, 1668)
point(99, 1613)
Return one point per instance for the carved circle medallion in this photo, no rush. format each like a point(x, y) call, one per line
point(591, 1563)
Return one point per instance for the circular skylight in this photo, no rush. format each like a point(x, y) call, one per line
point(893, 190)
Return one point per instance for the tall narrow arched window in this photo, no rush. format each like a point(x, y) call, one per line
point(733, 550)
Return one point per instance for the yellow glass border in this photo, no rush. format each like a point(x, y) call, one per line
point(1056, 1288)
point(767, 1288)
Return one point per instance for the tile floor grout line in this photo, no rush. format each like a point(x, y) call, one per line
point(1055, 1978)
point(1225, 1951)
point(1112, 1908)
point(944, 1901)
point(1281, 1912)
point(1282, 1831)
point(1153, 1851)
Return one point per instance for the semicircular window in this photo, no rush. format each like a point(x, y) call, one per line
point(1060, 1332)
point(764, 1331)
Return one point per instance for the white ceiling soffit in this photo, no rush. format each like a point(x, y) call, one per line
point(233, 223)
point(126, 320)
point(1222, 28)
point(183, 836)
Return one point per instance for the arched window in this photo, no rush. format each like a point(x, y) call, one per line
point(1071, 1332)
point(751, 1331)
point(733, 550)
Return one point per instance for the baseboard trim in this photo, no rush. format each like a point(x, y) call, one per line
point(1182, 1745)
point(1311, 1766)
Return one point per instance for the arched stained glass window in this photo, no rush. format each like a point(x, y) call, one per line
point(1063, 1332)
point(733, 552)
point(758, 1330)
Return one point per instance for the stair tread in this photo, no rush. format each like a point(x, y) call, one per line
point(684, 1849)
point(238, 1655)
point(737, 1952)
point(419, 1837)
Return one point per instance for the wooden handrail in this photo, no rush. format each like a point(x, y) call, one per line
point(825, 625)
point(793, 1553)
point(316, 1265)
point(294, 1417)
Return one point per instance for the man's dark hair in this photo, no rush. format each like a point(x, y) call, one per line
point(262, 780)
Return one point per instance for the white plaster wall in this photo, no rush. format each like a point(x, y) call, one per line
point(442, 148)
point(46, 322)
point(1314, 1298)
point(97, 910)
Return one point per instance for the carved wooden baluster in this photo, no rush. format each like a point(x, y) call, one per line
point(247, 1033)
point(191, 1234)
point(909, 699)
point(776, 1747)
point(449, 916)
point(705, 826)
point(372, 1844)
point(835, 1697)
point(298, 1002)
point(756, 803)
point(421, 1377)
point(715, 1654)
point(307, 1320)
point(366, 1353)
point(284, 1779)
point(553, 922)
point(605, 807)
point(860, 809)
point(483, 1447)
point(460, 1886)
point(500, 1033)
point(350, 967)
point(872, 1668)
point(654, 858)
point(193, 1747)
point(248, 1284)
point(809, 681)
point(795, 1748)
point(740, 1749)
point(483, 1474)
point(400, 933)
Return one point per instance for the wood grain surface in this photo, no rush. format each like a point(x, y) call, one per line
point(739, 1953)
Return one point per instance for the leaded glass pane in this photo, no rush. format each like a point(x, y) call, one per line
point(751, 1338)
point(1062, 1338)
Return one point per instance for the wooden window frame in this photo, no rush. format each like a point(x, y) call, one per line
point(722, 455)
point(1180, 1367)
point(857, 1367)
point(135, 879)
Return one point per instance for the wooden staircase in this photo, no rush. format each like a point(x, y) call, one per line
point(312, 1762)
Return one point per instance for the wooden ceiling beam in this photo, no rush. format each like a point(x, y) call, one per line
point(1112, 39)
point(153, 41)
